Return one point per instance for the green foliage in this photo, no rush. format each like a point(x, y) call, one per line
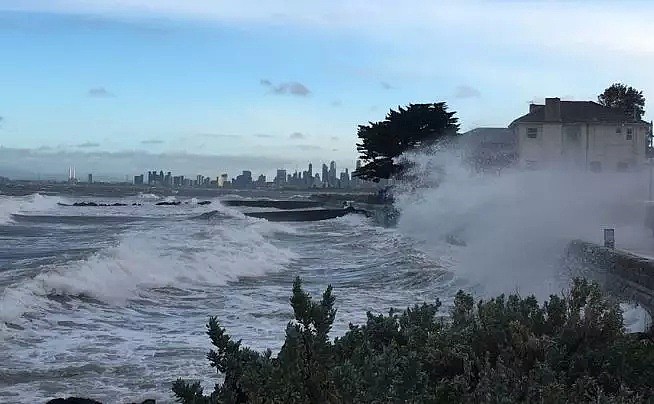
point(406, 129)
point(625, 98)
point(572, 348)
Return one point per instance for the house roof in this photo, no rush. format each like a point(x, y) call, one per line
point(496, 135)
point(480, 136)
point(577, 111)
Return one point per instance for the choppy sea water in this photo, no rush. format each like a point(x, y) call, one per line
point(111, 302)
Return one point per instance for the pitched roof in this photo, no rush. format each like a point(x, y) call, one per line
point(577, 111)
point(488, 135)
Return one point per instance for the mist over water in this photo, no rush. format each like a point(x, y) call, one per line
point(515, 224)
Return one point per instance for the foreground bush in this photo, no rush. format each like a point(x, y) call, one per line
point(572, 348)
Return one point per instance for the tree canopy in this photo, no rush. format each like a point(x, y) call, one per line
point(625, 98)
point(408, 128)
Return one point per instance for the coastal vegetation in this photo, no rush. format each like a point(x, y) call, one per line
point(510, 349)
point(409, 128)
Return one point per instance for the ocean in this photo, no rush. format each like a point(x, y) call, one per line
point(111, 302)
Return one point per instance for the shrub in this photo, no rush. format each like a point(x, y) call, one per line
point(572, 348)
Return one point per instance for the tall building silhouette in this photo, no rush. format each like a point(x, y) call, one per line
point(332, 174)
point(325, 175)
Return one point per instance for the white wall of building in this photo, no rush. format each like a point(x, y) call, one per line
point(581, 144)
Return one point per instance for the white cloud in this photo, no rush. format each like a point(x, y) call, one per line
point(466, 92)
point(100, 92)
point(291, 87)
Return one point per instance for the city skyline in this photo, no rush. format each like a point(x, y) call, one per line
point(118, 87)
point(330, 177)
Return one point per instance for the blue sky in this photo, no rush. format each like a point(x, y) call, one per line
point(209, 86)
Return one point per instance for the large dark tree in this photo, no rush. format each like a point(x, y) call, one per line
point(408, 128)
point(625, 98)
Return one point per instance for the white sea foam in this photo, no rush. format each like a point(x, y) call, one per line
point(10, 205)
point(636, 318)
point(141, 195)
point(516, 225)
point(181, 255)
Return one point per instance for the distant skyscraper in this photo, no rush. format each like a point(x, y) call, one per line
point(90, 178)
point(244, 180)
point(222, 179)
point(332, 174)
point(309, 176)
point(345, 179)
point(325, 175)
point(138, 179)
point(280, 178)
point(356, 181)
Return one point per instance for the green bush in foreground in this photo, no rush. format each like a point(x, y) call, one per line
point(572, 348)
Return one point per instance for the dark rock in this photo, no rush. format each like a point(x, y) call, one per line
point(85, 204)
point(174, 203)
point(204, 202)
point(304, 215)
point(78, 400)
point(269, 203)
point(14, 326)
point(73, 400)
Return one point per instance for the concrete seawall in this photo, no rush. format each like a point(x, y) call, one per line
point(620, 272)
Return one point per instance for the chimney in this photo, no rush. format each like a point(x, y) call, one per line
point(552, 109)
point(534, 107)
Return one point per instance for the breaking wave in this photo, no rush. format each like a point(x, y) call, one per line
point(178, 255)
point(27, 204)
point(512, 228)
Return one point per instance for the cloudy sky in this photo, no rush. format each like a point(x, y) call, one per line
point(205, 86)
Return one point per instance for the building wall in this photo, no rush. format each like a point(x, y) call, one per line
point(544, 149)
point(582, 145)
point(611, 149)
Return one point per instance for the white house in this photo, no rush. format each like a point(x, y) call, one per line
point(582, 134)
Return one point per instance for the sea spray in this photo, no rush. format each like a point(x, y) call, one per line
point(514, 225)
point(10, 205)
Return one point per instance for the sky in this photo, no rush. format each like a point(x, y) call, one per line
point(207, 86)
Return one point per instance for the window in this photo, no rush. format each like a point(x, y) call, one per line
point(532, 133)
point(630, 134)
point(530, 164)
point(618, 130)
